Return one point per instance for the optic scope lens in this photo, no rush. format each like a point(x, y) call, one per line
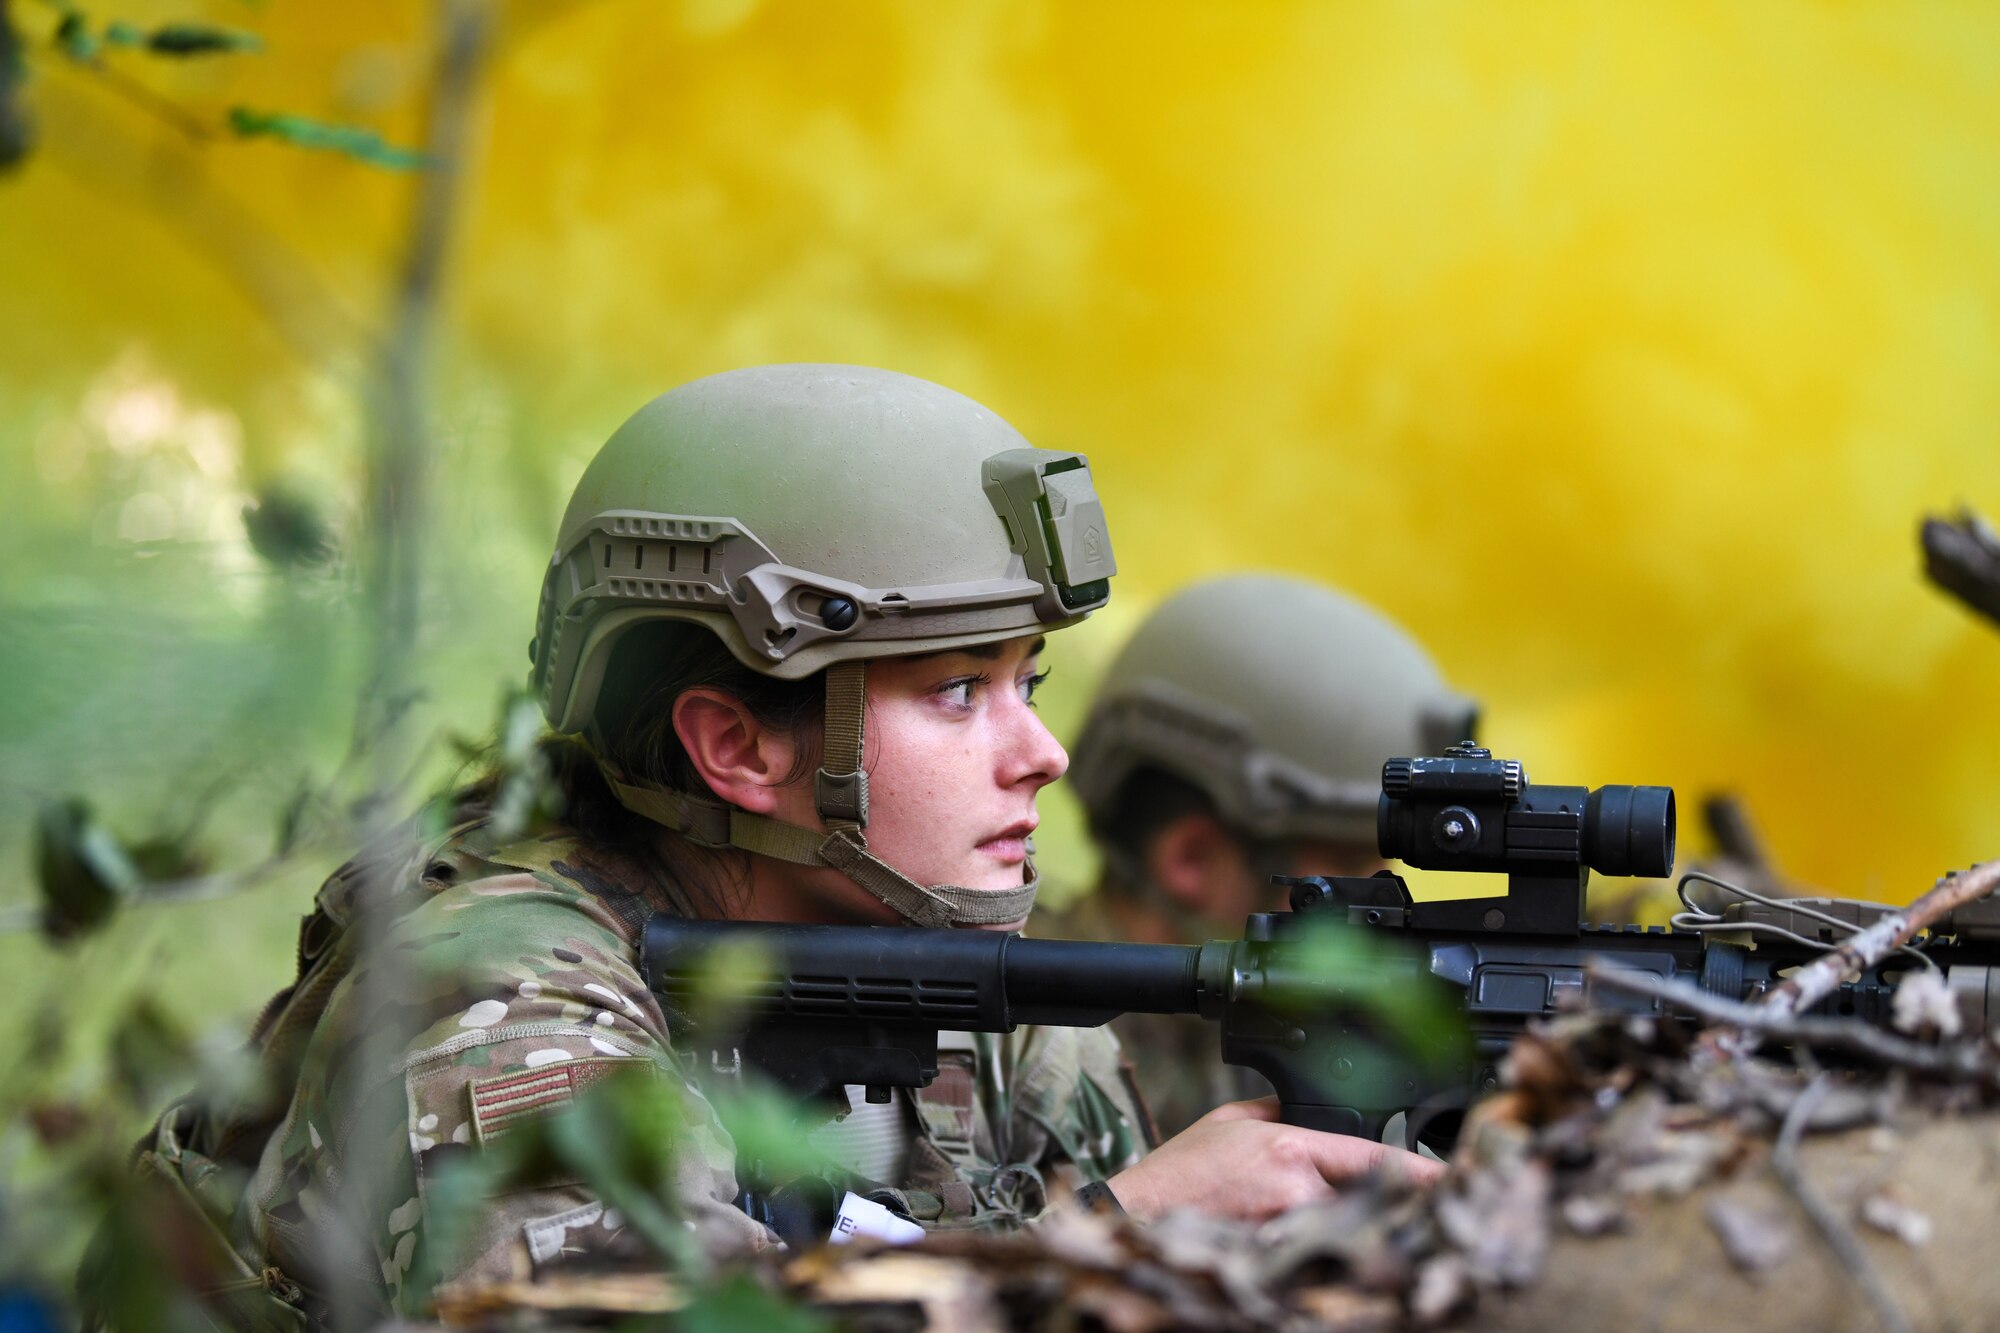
point(1630, 831)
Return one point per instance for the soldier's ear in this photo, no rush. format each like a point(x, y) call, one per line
point(743, 761)
point(1197, 863)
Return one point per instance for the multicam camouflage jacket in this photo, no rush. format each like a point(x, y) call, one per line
point(516, 984)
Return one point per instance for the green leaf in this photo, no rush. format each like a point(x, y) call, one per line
point(169, 39)
point(288, 530)
point(16, 136)
point(305, 132)
point(74, 38)
point(724, 980)
point(765, 1125)
point(199, 39)
point(1342, 966)
point(620, 1140)
point(523, 785)
point(457, 1196)
point(80, 869)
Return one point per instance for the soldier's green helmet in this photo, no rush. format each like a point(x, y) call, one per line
point(1277, 697)
point(813, 517)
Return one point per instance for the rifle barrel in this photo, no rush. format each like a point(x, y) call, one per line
point(1049, 978)
point(959, 980)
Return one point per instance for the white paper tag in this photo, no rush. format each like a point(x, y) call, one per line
point(865, 1217)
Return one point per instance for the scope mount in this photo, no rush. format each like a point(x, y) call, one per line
point(1532, 905)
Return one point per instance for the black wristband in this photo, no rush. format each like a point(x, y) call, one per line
point(1096, 1197)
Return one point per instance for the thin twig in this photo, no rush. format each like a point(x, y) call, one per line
point(1958, 1060)
point(1839, 1237)
point(163, 109)
point(399, 522)
point(1821, 977)
point(190, 889)
point(399, 482)
point(169, 179)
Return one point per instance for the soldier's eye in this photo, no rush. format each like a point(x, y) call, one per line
point(959, 693)
point(1031, 684)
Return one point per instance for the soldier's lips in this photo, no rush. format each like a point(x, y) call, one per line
point(1010, 845)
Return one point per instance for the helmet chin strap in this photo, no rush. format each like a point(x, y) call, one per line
point(840, 792)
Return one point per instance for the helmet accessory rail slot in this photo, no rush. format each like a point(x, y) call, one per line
point(602, 574)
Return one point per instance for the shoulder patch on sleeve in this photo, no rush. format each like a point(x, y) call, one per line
point(501, 1102)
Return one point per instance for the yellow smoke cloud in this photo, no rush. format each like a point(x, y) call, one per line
point(1616, 350)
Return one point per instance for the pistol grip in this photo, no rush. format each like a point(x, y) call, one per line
point(1335, 1119)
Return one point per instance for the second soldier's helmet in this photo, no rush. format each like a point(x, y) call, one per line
point(1276, 697)
point(813, 517)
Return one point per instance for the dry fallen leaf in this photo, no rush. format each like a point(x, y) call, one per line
point(1887, 1211)
point(1757, 1237)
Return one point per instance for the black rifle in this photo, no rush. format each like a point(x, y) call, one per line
point(864, 1005)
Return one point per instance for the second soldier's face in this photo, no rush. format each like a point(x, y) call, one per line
point(955, 754)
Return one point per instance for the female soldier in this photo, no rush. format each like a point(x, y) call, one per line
point(753, 565)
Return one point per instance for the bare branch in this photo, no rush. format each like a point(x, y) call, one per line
point(1839, 1237)
point(169, 181)
point(401, 439)
point(163, 109)
point(1965, 1059)
point(1821, 977)
point(398, 501)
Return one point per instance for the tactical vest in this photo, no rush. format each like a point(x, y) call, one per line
point(196, 1155)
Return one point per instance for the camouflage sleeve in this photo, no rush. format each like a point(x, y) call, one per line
point(509, 995)
point(1075, 1113)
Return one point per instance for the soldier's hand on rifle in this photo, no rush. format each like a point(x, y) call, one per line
point(1238, 1161)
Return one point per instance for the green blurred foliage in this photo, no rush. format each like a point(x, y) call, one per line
point(15, 133)
point(288, 530)
point(620, 1139)
point(769, 1130)
point(76, 38)
point(511, 756)
point(151, 1054)
point(82, 871)
point(1330, 971)
point(363, 145)
point(183, 39)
